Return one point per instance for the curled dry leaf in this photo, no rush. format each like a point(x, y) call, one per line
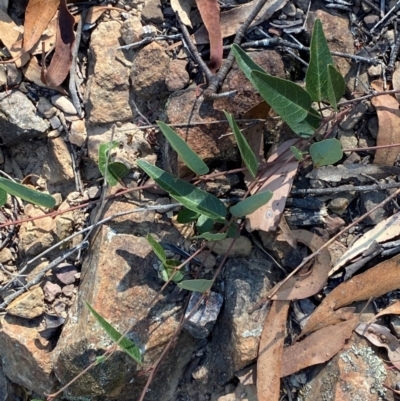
point(393, 309)
point(383, 231)
point(209, 11)
point(62, 57)
point(304, 285)
point(381, 337)
point(270, 352)
point(387, 109)
point(182, 9)
point(374, 282)
point(48, 38)
point(233, 19)
point(38, 15)
point(317, 348)
point(9, 35)
point(278, 179)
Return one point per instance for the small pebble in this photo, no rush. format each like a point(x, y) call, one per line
point(64, 104)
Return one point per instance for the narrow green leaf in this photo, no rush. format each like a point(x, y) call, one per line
point(211, 236)
point(251, 204)
point(317, 72)
point(336, 86)
point(199, 285)
point(104, 150)
point(3, 197)
point(298, 154)
point(191, 197)
point(100, 359)
point(245, 150)
point(188, 156)
point(127, 345)
point(204, 224)
point(27, 194)
point(115, 170)
point(187, 216)
point(288, 99)
point(326, 152)
point(170, 269)
point(157, 248)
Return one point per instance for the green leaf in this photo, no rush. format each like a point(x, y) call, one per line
point(317, 72)
point(186, 216)
point(100, 359)
point(3, 197)
point(199, 285)
point(326, 152)
point(191, 197)
point(115, 170)
point(336, 86)
point(211, 236)
point(232, 230)
point(204, 224)
point(247, 154)
point(170, 269)
point(289, 100)
point(189, 157)
point(251, 204)
point(298, 154)
point(127, 345)
point(27, 194)
point(157, 248)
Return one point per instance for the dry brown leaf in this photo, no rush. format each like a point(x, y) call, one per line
point(209, 11)
point(10, 35)
point(182, 8)
point(233, 19)
point(62, 58)
point(38, 15)
point(94, 13)
point(32, 71)
point(319, 347)
point(381, 337)
point(48, 39)
point(387, 109)
point(286, 233)
point(383, 231)
point(374, 282)
point(304, 285)
point(270, 352)
point(278, 179)
point(393, 309)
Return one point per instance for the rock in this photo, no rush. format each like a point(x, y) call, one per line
point(77, 134)
point(348, 139)
point(236, 335)
point(126, 292)
point(178, 77)
point(34, 240)
point(131, 30)
point(200, 323)
point(206, 140)
point(66, 273)
point(370, 20)
point(289, 10)
point(19, 120)
point(208, 258)
point(58, 166)
point(355, 116)
point(241, 248)
point(375, 71)
point(148, 74)
point(63, 103)
point(369, 200)
point(46, 108)
point(55, 122)
point(6, 255)
point(28, 305)
point(51, 290)
point(64, 225)
point(35, 374)
point(107, 97)
point(341, 202)
point(152, 12)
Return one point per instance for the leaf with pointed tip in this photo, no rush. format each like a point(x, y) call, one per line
point(247, 154)
point(317, 72)
point(212, 236)
point(298, 154)
point(199, 285)
point(251, 204)
point(204, 224)
point(188, 156)
point(336, 86)
point(115, 170)
point(190, 196)
point(27, 194)
point(127, 345)
point(170, 270)
point(187, 216)
point(157, 248)
point(326, 152)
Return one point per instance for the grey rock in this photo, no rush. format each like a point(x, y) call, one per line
point(354, 116)
point(373, 127)
point(340, 202)
point(289, 9)
point(55, 122)
point(46, 108)
point(131, 30)
point(18, 118)
point(152, 12)
point(202, 321)
point(370, 20)
point(369, 200)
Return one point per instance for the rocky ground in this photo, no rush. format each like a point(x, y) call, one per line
point(47, 334)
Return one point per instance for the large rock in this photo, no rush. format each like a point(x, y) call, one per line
point(19, 120)
point(119, 281)
point(107, 94)
point(185, 106)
